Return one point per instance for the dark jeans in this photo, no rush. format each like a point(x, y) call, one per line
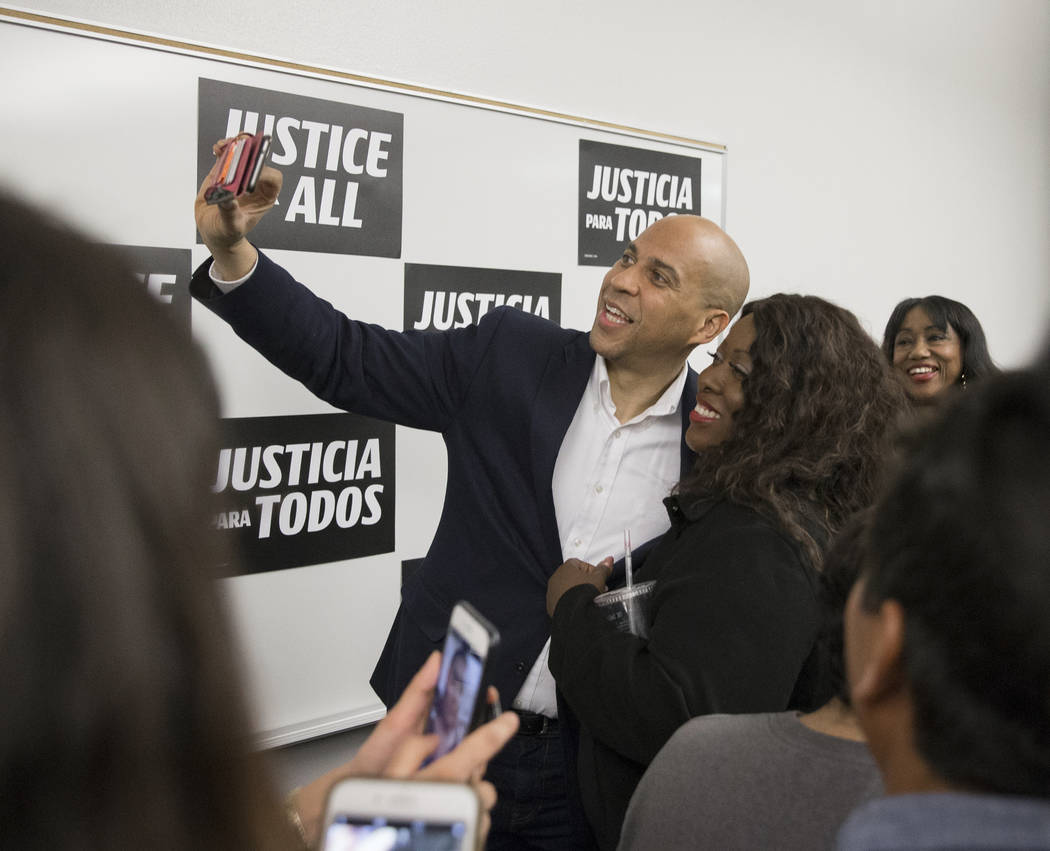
point(532, 811)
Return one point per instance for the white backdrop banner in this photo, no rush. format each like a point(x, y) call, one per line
point(404, 207)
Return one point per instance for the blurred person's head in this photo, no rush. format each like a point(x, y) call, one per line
point(947, 630)
point(795, 416)
point(122, 724)
point(935, 344)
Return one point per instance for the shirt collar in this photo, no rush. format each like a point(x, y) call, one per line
point(668, 402)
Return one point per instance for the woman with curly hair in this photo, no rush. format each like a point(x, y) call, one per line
point(792, 426)
point(935, 344)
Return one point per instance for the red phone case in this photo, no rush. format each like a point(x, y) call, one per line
point(239, 165)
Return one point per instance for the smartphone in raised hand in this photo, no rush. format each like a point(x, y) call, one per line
point(459, 698)
point(240, 164)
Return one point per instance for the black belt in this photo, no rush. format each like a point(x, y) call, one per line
point(533, 724)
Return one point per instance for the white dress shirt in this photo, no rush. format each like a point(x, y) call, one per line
point(609, 477)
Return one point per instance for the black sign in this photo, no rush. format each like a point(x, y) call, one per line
point(342, 166)
point(304, 490)
point(624, 190)
point(165, 273)
point(443, 297)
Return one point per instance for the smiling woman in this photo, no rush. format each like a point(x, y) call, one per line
point(722, 393)
point(933, 344)
point(792, 425)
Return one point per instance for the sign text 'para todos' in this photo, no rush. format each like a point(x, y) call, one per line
point(301, 490)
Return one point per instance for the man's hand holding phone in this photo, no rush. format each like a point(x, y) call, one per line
point(224, 226)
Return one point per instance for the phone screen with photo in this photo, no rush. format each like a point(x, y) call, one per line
point(456, 694)
point(347, 832)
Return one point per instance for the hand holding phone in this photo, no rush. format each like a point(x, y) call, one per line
point(396, 749)
point(223, 227)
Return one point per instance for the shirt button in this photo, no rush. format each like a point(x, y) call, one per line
point(616, 435)
point(598, 488)
point(577, 542)
point(519, 667)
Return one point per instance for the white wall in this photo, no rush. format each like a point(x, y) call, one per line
point(878, 149)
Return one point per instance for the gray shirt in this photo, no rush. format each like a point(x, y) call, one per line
point(749, 781)
point(943, 821)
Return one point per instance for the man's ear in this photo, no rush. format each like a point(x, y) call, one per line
point(881, 674)
point(714, 323)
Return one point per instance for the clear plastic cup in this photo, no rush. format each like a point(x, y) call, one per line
point(628, 608)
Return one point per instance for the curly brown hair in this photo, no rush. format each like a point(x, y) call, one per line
point(817, 425)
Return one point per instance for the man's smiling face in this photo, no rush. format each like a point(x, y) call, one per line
point(651, 305)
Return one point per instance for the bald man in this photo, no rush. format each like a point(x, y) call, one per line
point(557, 440)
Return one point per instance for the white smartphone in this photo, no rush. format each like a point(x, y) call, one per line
point(386, 814)
point(459, 699)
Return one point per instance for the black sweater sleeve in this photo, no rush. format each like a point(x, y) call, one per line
point(734, 617)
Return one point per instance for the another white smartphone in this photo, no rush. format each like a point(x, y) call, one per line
point(459, 699)
point(387, 814)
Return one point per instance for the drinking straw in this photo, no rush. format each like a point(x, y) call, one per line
point(627, 556)
point(631, 618)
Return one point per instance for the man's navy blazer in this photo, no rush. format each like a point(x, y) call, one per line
point(501, 393)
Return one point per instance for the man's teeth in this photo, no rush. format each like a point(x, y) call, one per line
point(919, 370)
point(707, 412)
point(617, 315)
